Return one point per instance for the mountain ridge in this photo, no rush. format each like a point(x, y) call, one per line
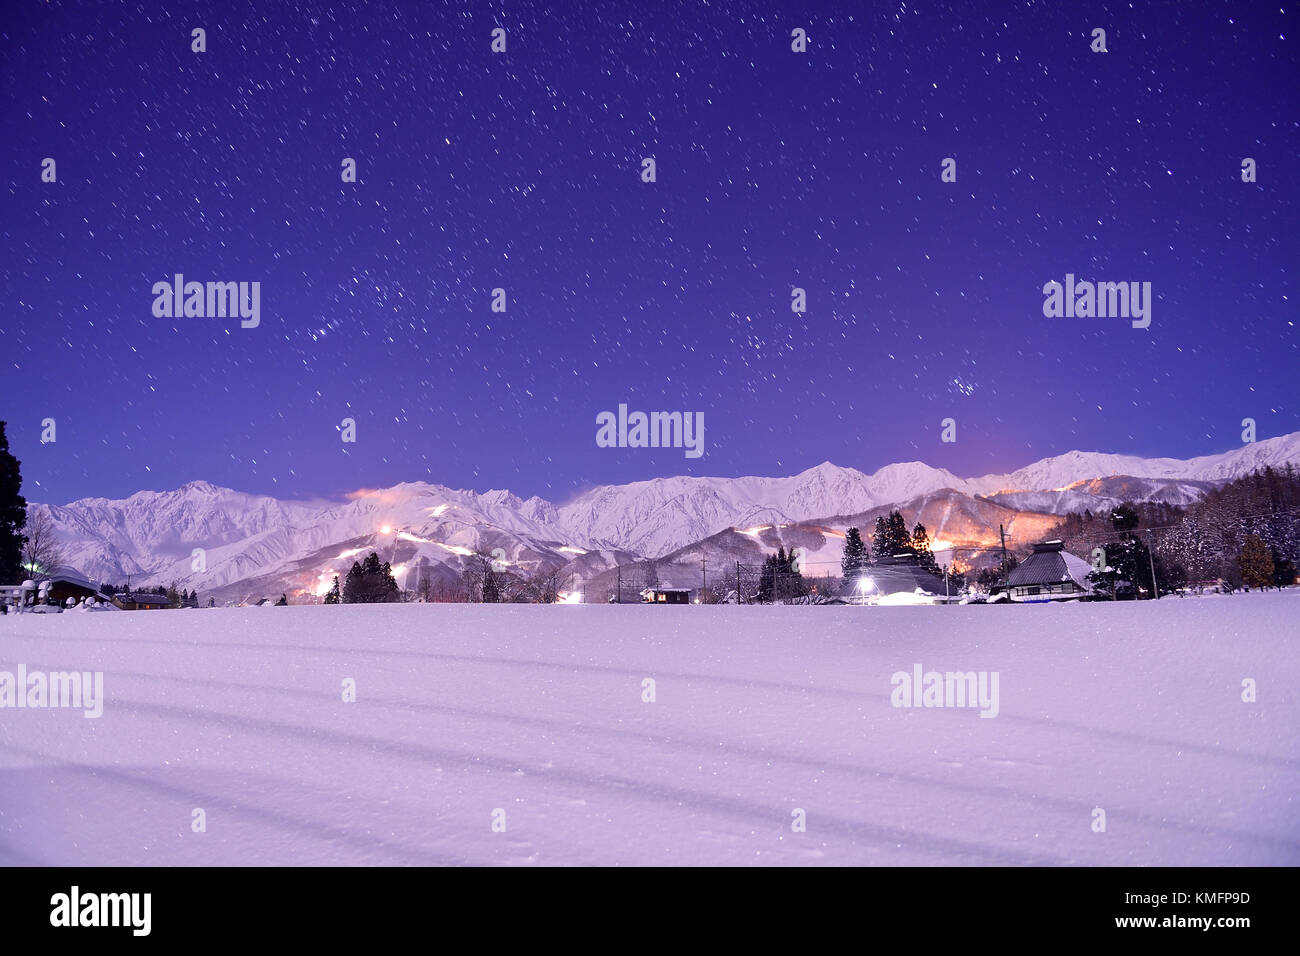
point(151, 535)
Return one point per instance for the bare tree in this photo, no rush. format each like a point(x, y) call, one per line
point(42, 553)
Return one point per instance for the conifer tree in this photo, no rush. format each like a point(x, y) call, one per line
point(880, 547)
point(13, 514)
point(921, 545)
point(1256, 563)
point(855, 558)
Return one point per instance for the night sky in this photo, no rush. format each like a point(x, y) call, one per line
point(522, 170)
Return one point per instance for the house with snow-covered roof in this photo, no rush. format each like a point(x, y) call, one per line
point(67, 583)
point(1049, 574)
point(899, 575)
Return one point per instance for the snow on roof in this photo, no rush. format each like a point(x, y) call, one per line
point(1049, 564)
point(71, 576)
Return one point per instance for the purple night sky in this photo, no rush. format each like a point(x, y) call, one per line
point(521, 170)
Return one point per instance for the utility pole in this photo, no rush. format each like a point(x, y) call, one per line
point(619, 599)
point(704, 574)
point(740, 599)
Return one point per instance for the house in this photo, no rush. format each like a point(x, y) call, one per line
point(61, 587)
point(900, 575)
point(140, 601)
point(1049, 574)
point(658, 595)
point(66, 583)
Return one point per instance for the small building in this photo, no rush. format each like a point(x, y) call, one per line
point(66, 583)
point(1049, 574)
point(896, 579)
point(140, 601)
point(666, 596)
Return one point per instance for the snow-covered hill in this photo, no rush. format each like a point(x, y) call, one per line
point(254, 545)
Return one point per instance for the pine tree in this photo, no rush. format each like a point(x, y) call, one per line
point(767, 580)
point(370, 583)
point(353, 585)
point(1256, 563)
point(891, 536)
point(921, 545)
point(880, 546)
point(898, 536)
point(13, 514)
point(334, 596)
point(854, 561)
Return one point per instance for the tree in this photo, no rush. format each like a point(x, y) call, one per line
point(1256, 563)
point(370, 583)
point(898, 536)
point(921, 545)
point(491, 586)
point(283, 602)
point(1125, 517)
point(779, 579)
point(880, 540)
point(1129, 560)
point(991, 577)
point(13, 514)
point(42, 552)
point(1284, 571)
point(891, 536)
point(334, 595)
point(855, 558)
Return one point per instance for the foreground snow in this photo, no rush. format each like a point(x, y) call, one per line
point(538, 711)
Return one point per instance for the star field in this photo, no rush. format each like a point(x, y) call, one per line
point(521, 170)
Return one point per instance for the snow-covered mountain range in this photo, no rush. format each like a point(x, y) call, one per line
point(253, 544)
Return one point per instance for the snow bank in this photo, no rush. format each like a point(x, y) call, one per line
point(758, 712)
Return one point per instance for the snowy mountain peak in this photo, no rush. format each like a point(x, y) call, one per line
point(151, 535)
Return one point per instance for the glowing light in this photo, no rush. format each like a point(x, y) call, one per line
point(407, 536)
point(755, 530)
point(349, 554)
point(324, 583)
point(386, 529)
point(571, 550)
point(865, 585)
point(438, 510)
point(456, 549)
point(941, 545)
point(568, 597)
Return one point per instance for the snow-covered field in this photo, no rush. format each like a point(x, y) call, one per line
point(538, 711)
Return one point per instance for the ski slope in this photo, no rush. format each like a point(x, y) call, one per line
point(537, 711)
